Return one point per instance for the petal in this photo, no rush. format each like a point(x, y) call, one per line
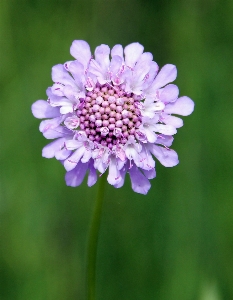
point(117, 50)
point(165, 140)
point(66, 109)
point(136, 81)
point(77, 70)
point(115, 65)
point(183, 106)
point(150, 174)
point(140, 184)
point(172, 120)
point(165, 129)
point(50, 124)
point(132, 53)
point(167, 157)
point(60, 131)
point(152, 73)
point(122, 180)
point(169, 93)
point(62, 154)
point(114, 176)
point(72, 144)
point(87, 155)
point(59, 74)
point(147, 162)
point(81, 51)
point(41, 109)
point(49, 150)
point(167, 74)
point(71, 162)
point(76, 176)
point(145, 57)
point(151, 136)
point(92, 176)
point(102, 56)
point(54, 100)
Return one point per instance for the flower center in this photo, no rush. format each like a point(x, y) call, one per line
point(109, 115)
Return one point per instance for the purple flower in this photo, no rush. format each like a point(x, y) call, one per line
point(112, 111)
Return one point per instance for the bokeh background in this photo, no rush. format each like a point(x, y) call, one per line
point(176, 243)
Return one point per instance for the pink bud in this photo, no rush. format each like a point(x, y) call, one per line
point(105, 104)
point(126, 121)
point(112, 120)
point(98, 123)
point(111, 99)
point(105, 123)
point(119, 101)
point(111, 126)
point(95, 107)
point(119, 108)
point(112, 114)
point(119, 123)
point(99, 100)
point(113, 106)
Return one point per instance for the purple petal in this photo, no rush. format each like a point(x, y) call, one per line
point(165, 129)
point(150, 174)
point(146, 57)
point(114, 176)
point(151, 75)
point(141, 69)
point(117, 50)
point(71, 162)
point(49, 150)
point(102, 56)
point(147, 162)
point(81, 51)
point(167, 74)
point(172, 120)
point(99, 66)
point(115, 65)
point(75, 177)
point(92, 176)
point(59, 74)
point(77, 70)
point(72, 144)
point(183, 106)
point(164, 140)
point(50, 124)
point(62, 154)
point(140, 184)
point(41, 109)
point(132, 53)
point(122, 179)
point(167, 157)
point(60, 131)
point(169, 93)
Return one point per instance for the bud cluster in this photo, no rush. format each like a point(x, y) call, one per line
point(109, 115)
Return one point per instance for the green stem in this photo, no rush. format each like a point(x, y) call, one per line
point(93, 240)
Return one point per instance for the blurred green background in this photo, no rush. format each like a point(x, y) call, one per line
point(176, 243)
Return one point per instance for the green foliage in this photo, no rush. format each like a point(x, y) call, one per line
point(173, 244)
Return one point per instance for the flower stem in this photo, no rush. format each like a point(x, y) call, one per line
point(93, 240)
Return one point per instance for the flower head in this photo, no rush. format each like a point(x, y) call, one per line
point(112, 112)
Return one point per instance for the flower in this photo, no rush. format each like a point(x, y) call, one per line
point(112, 113)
